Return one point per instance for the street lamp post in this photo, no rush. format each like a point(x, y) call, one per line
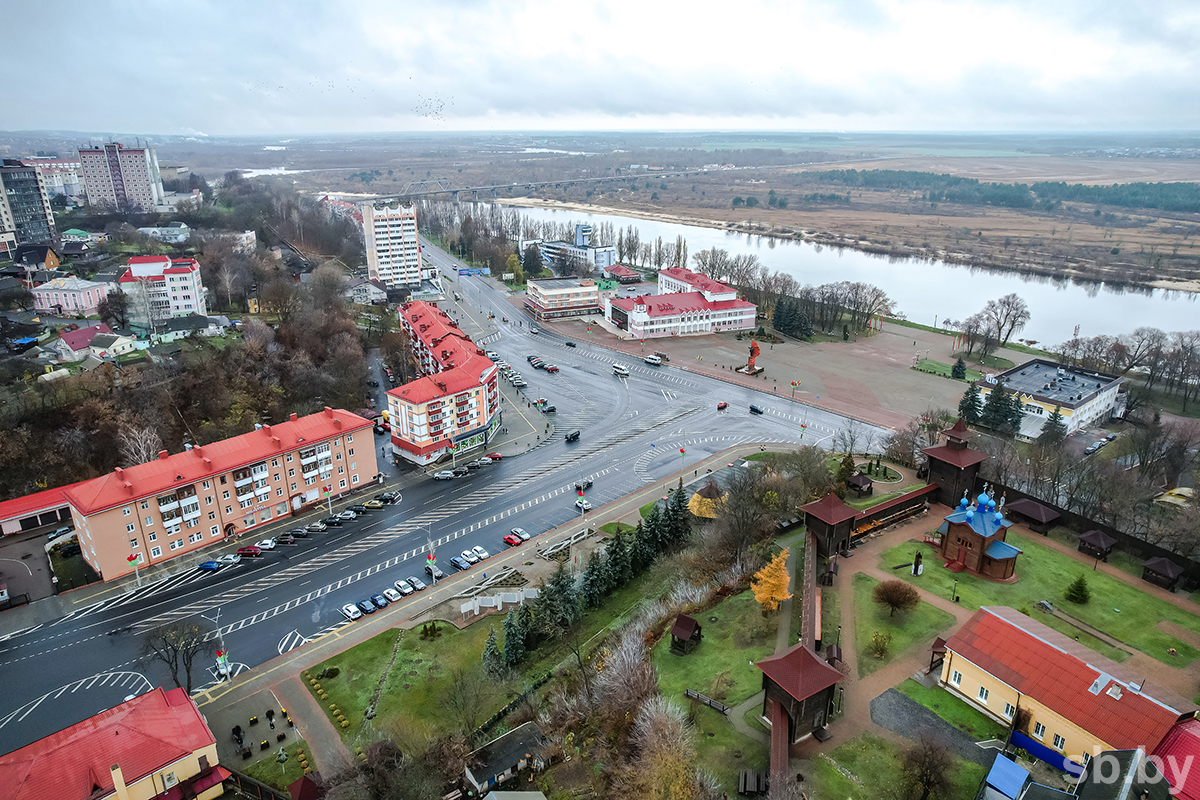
point(215, 619)
point(954, 591)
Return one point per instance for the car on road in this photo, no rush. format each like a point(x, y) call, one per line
point(416, 583)
point(444, 475)
point(534, 330)
point(495, 456)
point(512, 540)
point(531, 358)
point(392, 595)
point(519, 384)
point(583, 505)
point(229, 559)
point(460, 471)
point(653, 361)
point(435, 572)
point(480, 553)
point(351, 612)
point(316, 527)
point(524, 534)
point(573, 436)
point(265, 544)
point(388, 497)
point(347, 515)
point(620, 371)
point(359, 509)
point(332, 522)
point(569, 344)
point(299, 533)
point(470, 557)
point(210, 566)
point(373, 505)
point(470, 465)
point(549, 409)
point(584, 484)
point(285, 538)
point(374, 384)
point(250, 551)
point(366, 606)
point(755, 409)
point(403, 587)
point(721, 406)
point(551, 368)
point(460, 563)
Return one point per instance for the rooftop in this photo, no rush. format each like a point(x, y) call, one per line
point(830, 509)
point(1053, 383)
point(550, 284)
point(672, 305)
point(702, 283)
point(799, 672)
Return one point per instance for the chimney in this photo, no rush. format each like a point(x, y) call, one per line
point(163, 454)
point(267, 429)
point(292, 418)
point(328, 411)
point(121, 790)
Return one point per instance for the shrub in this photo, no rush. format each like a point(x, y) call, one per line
point(881, 643)
point(897, 595)
point(330, 672)
point(1078, 591)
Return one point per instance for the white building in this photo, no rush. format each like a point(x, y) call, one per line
point(120, 177)
point(364, 292)
point(562, 297)
point(393, 250)
point(560, 255)
point(160, 288)
point(171, 233)
point(687, 303)
point(69, 297)
point(1083, 397)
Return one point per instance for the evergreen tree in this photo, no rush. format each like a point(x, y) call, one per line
point(514, 638)
point(654, 530)
point(846, 469)
point(783, 318)
point(1054, 431)
point(617, 563)
point(959, 370)
point(558, 603)
point(1078, 591)
point(642, 552)
point(970, 408)
point(679, 528)
point(493, 661)
point(995, 412)
point(526, 628)
point(804, 328)
point(593, 584)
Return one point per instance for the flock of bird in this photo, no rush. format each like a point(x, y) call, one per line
point(429, 107)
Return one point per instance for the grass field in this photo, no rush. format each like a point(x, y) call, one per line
point(872, 500)
point(1121, 610)
point(831, 614)
point(268, 771)
point(866, 768)
point(944, 370)
point(977, 724)
point(907, 628)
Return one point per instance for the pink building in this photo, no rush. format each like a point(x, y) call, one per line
point(69, 297)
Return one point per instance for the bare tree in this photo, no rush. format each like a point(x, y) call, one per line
point(848, 437)
point(1012, 313)
point(925, 768)
point(897, 595)
point(465, 698)
point(177, 645)
point(139, 445)
point(326, 285)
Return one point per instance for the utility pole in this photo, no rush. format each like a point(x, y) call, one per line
point(222, 654)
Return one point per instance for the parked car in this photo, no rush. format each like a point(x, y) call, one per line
point(392, 595)
point(519, 384)
point(460, 471)
point(480, 553)
point(210, 566)
point(332, 522)
point(266, 544)
point(373, 384)
point(722, 406)
point(551, 368)
point(470, 465)
point(366, 606)
point(299, 533)
point(460, 563)
point(444, 475)
point(388, 497)
point(285, 538)
point(70, 549)
point(583, 485)
point(549, 409)
point(351, 612)
point(512, 540)
point(433, 571)
point(416, 583)
point(1111, 437)
point(316, 527)
point(229, 559)
point(373, 505)
point(250, 550)
point(359, 509)
point(403, 587)
point(470, 557)
point(570, 344)
point(495, 456)
point(63, 531)
point(583, 505)
point(531, 358)
point(347, 515)
point(522, 533)
point(755, 409)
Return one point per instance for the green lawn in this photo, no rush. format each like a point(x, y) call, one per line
point(979, 725)
point(71, 572)
point(873, 764)
point(724, 752)
point(939, 368)
point(735, 634)
point(612, 527)
point(268, 771)
point(907, 628)
point(759, 456)
point(831, 614)
point(1120, 609)
point(795, 543)
point(872, 500)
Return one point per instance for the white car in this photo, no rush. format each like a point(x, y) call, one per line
point(444, 475)
point(265, 544)
point(351, 612)
point(469, 556)
point(347, 515)
point(522, 533)
point(480, 552)
point(229, 558)
point(404, 588)
point(392, 595)
point(583, 505)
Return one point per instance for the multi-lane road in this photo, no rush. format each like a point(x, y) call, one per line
point(632, 432)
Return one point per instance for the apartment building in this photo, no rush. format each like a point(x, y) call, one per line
point(562, 297)
point(161, 288)
point(455, 405)
point(25, 215)
point(177, 504)
point(393, 250)
point(61, 175)
point(120, 177)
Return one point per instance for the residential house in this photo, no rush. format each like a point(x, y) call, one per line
point(73, 297)
point(75, 345)
point(502, 758)
point(161, 288)
point(111, 345)
point(38, 256)
point(365, 292)
point(551, 298)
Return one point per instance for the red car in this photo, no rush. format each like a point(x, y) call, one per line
point(551, 368)
point(722, 406)
point(250, 551)
point(495, 456)
point(512, 540)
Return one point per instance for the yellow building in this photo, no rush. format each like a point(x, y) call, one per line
point(1083, 397)
point(1069, 701)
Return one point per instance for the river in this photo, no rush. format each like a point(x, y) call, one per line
point(929, 291)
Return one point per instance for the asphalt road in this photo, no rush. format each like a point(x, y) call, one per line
point(632, 432)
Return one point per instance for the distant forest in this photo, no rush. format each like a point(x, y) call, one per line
point(1048, 195)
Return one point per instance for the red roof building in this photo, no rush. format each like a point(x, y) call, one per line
point(33, 511)
point(623, 274)
point(802, 684)
point(177, 504)
point(455, 405)
point(1179, 750)
point(954, 466)
point(1002, 660)
point(174, 288)
point(156, 745)
point(656, 316)
point(676, 280)
point(832, 522)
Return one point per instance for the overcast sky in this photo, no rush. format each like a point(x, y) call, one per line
point(217, 67)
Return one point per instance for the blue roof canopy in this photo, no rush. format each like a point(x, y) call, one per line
point(998, 550)
point(1007, 776)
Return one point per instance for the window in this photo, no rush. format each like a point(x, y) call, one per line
point(350, 437)
point(208, 501)
point(1039, 730)
point(228, 509)
point(1059, 742)
point(1009, 710)
point(341, 470)
point(279, 492)
point(289, 459)
point(125, 511)
point(351, 451)
point(339, 457)
point(342, 483)
point(274, 462)
point(205, 485)
point(195, 537)
point(955, 678)
point(983, 694)
point(225, 495)
point(354, 479)
point(222, 480)
point(293, 487)
point(134, 544)
point(214, 531)
point(155, 552)
point(353, 465)
point(129, 527)
point(178, 543)
point(153, 537)
point(292, 473)
point(145, 504)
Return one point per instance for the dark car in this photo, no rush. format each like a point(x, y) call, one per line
point(299, 533)
point(366, 606)
point(358, 509)
point(379, 600)
point(460, 471)
point(69, 549)
point(548, 409)
point(755, 410)
point(433, 571)
point(570, 344)
point(373, 383)
point(285, 538)
point(573, 436)
point(388, 497)
point(531, 358)
point(460, 563)
point(332, 522)
point(586, 483)
point(250, 550)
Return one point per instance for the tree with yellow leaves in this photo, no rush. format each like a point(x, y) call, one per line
point(770, 584)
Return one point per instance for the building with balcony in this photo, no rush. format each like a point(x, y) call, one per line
point(161, 288)
point(177, 504)
point(70, 297)
point(687, 303)
point(156, 745)
point(550, 298)
point(455, 406)
point(25, 215)
point(563, 256)
point(122, 178)
point(393, 249)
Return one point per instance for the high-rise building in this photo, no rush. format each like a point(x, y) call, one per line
point(160, 288)
point(393, 251)
point(25, 215)
point(127, 178)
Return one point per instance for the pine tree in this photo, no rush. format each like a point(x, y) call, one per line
point(804, 328)
point(783, 318)
point(526, 627)
point(593, 582)
point(998, 410)
point(558, 603)
point(617, 562)
point(1054, 431)
point(1016, 413)
point(678, 525)
point(1078, 591)
point(654, 530)
point(970, 408)
point(493, 661)
point(642, 552)
point(959, 370)
point(770, 584)
point(846, 470)
point(514, 638)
